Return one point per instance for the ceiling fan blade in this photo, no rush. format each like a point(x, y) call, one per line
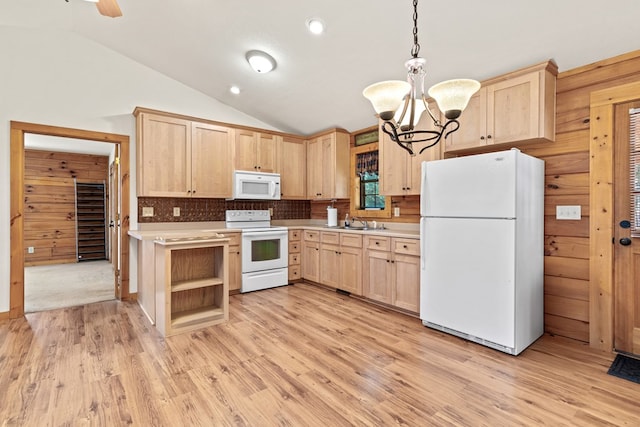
point(109, 8)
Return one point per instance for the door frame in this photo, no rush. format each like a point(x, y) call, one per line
point(601, 211)
point(18, 130)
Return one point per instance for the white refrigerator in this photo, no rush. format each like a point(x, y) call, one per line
point(482, 248)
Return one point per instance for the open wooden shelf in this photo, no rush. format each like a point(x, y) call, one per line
point(192, 283)
point(196, 284)
point(196, 316)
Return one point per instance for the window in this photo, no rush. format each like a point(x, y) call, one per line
point(367, 170)
point(366, 201)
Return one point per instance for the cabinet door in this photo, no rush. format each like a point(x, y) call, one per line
point(406, 292)
point(267, 152)
point(330, 265)
point(292, 161)
point(311, 261)
point(328, 166)
point(164, 156)
point(414, 163)
point(245, 150)
point(351, 270)
point(378, 286)
point(393, 174)
point(235, 268)
point(513, 109)
point(473, 124)
point(210, 161)
point(314, 169)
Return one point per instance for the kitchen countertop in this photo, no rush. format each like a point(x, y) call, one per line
point(152, 231)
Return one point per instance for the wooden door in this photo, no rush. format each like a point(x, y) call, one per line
point(513, 109)
point(330, 262)
point(314, 169)
point(351, 270)
point(245, 150)
point(328, 166)
point(378, 286)
point(164, 157)
point(627, 228)
point(267, 152)
point(211, 171)
point(311, 261)
point(406, 292)
point(393, 161)
point(473, 125)
point(114, 221)
point(292, 161)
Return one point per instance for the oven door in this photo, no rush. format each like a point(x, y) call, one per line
point(264, 250)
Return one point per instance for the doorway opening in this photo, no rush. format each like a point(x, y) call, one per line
point(120, 286)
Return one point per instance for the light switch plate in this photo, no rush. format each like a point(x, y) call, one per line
point(396, 211)
point(147, 211)
point(569, 212)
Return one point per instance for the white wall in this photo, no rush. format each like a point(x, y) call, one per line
point(55, 77)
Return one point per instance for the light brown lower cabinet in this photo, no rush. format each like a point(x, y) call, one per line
point(341, 261)
point(311, 255)
point(235, 261)
point(392, 271)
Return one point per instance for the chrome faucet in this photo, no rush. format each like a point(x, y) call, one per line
point(365, 226)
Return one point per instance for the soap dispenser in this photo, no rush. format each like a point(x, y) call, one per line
point(346, 220)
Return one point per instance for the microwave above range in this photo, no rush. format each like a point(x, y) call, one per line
point(249, 185)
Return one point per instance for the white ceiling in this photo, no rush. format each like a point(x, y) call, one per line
point(319, 79)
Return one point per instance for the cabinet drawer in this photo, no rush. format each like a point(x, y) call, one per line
point(311, 236)
point(234, 238)
point(294, 272)
point(294, 247)
point(294, 259)
point(406, 246)
point(351, 240)
point(330, 237)
point(377, 242)
point(294, 235)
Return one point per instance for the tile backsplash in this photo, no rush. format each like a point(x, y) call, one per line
point(196, 210)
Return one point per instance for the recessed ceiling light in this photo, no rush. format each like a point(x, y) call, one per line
point(234, 90)
point(260, 61)
point(315, 25)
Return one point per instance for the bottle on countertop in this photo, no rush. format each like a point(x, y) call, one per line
point(346, 220)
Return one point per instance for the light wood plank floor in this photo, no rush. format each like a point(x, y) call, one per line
point(294, 356)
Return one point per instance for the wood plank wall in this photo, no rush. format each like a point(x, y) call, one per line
point(49, 219)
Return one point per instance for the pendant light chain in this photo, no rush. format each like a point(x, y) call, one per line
point(416, 46)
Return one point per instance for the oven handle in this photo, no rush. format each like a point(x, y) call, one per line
point(279, 233)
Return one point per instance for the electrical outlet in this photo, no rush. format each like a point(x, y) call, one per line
point(31, 249)
point(270, 211)
point(147, 211)
point(176, 211)
point(396, 211)
point(569, 212)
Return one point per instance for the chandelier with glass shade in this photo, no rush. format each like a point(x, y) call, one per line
point(400, 104)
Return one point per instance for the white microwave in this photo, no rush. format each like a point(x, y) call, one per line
point(256, 185)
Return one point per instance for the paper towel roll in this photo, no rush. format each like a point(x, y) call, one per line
point(332, 217)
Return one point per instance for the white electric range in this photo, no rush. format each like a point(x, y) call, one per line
point(265, 249)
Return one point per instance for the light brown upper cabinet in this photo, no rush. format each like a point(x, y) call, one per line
point(255, 151)
point(328, 166)
point(181, 158)
point(515, 108)
point(292, 167)
point(399, 171)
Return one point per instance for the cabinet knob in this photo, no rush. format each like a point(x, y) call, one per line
point(488, 136)
point(188, 191)
point(387, 260)
point(377, 243)
point(404, 246)
point(482, 138)
point(408, 188)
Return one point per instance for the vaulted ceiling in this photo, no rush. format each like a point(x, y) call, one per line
point(319, 79)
